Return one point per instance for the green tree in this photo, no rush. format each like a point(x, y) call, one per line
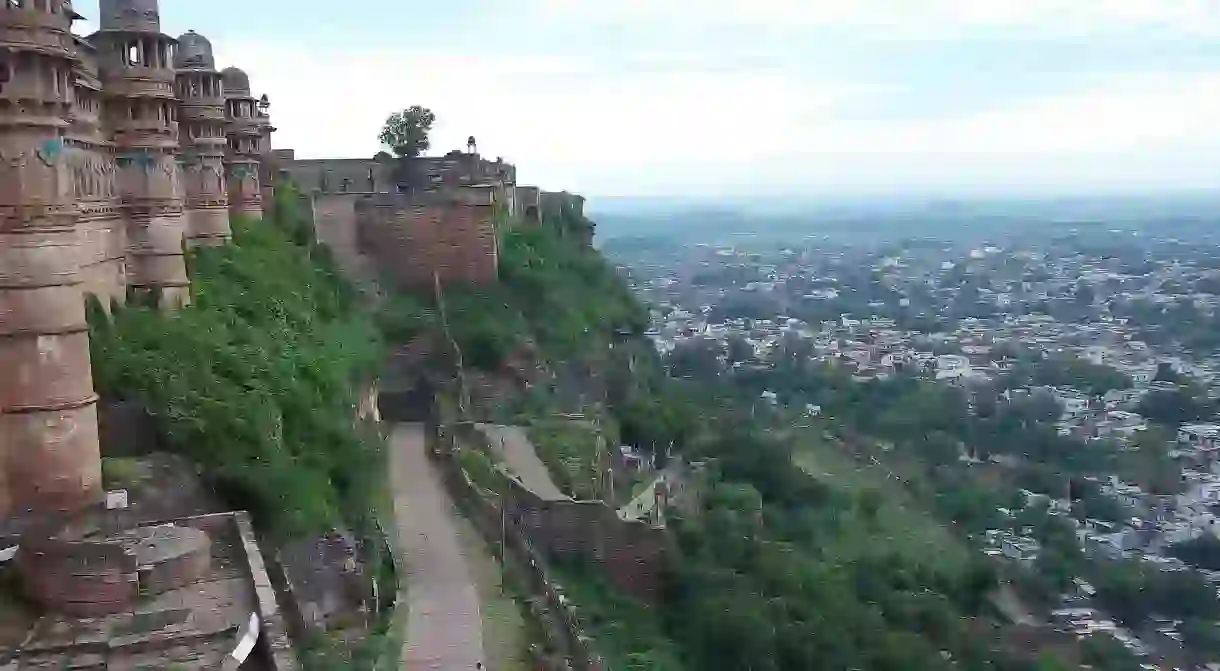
point(1187, 403)
point(739, 349)
point(406, 132)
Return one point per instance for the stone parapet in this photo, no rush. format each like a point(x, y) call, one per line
point(276, 646)
point(82, 578)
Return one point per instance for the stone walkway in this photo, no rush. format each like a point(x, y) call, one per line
point(515, 447)
point(444, 630)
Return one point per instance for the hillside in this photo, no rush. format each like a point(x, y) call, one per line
point(800, 558)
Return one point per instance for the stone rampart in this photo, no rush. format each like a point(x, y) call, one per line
point(631, 553)
point(331, 176)
point(449, 236)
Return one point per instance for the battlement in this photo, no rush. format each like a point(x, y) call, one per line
point(386, 174)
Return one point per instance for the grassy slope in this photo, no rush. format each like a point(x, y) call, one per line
point(904, 526)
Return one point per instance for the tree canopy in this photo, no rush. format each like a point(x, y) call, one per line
point(406, 132)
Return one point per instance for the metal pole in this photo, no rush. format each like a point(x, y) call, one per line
point(503, 548)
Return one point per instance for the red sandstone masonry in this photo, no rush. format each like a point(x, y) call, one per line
point(411, 240)
point(632, 553)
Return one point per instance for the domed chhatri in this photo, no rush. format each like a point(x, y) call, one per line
point(236, 81)
point(194, 51)
point(141, 101)
point(202, 129)
point(131, 15)
point(248, 129)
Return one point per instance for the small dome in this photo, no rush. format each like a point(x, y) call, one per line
point(235, 80)
point(141, 15)
point(194, 51)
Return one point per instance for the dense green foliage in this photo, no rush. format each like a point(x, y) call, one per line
point(782, 570)
point(630, 636)
point(255, 379)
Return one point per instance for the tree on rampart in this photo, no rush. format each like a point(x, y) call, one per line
point(406, 132)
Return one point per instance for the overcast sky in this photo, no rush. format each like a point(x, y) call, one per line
point(741, 97)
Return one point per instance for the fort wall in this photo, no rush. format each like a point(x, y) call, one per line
point(113, 156)
point(414, 240)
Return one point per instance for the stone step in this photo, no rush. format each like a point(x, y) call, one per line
point(185, 651)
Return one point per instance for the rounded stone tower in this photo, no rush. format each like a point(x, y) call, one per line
point(49, 456)
point(245, 133)
point(203, 139)
point(141, 110)
point(91, 159)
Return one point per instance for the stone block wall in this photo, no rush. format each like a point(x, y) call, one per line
point(631, 553)
point(333, 176)
point(83, 578)
point(336, 227)
point(412, 238)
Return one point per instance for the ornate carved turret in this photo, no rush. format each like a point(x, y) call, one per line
point(48, 419)
point(203, 139)
point(268, 165)
point(91, 160)
point(137, 70)
point(245, 134)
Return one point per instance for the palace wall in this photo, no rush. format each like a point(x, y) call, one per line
point(114, 152)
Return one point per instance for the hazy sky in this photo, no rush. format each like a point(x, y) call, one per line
point(732, 97)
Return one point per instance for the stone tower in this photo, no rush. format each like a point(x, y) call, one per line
point(91, 159)
point(203, 139)
point(137, 70)
point(245, 138)
point(49, 456)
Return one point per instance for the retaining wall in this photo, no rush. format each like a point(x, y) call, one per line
point(630, 552)
point(567, 633)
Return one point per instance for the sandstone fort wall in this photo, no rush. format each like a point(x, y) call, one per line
point(115, 150)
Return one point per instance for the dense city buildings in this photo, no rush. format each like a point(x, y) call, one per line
point(1110, 335)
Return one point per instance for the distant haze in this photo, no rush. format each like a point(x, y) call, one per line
point(890, 218)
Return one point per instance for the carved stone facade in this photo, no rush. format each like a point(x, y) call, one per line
point(202, 132)
point(93, 200)
point(246, 126)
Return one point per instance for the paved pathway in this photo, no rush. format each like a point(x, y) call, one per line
point(644, 502)
point(519, 454)
point(444, 631)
